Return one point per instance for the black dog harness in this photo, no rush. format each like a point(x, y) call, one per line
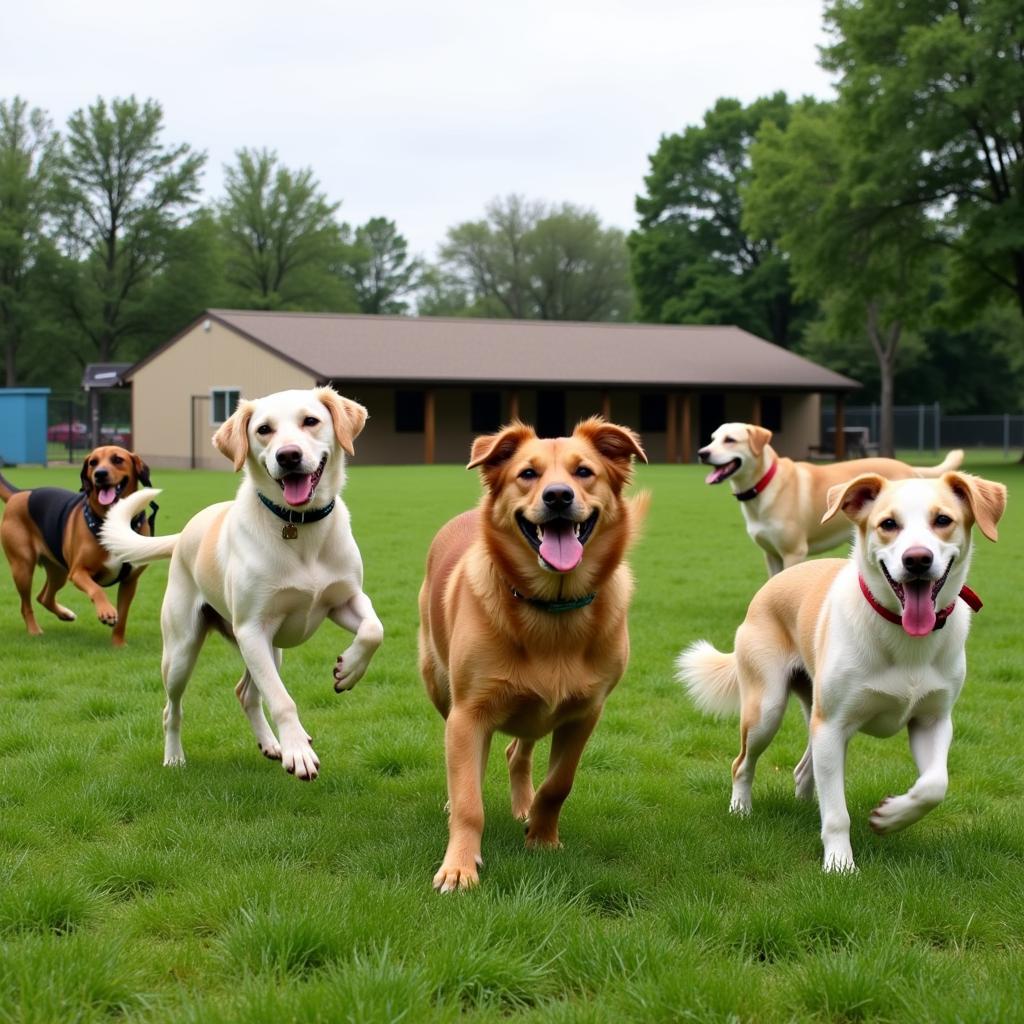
point(50, 508)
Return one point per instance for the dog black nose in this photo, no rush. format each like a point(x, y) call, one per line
point(558, 497)
point(99, 475)
point(917, 560)
point(289, 457)
point(703, 453)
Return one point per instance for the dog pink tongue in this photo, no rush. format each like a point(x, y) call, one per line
point(107, 495)
point(561, 548)
point(918, 608)
point(298, 487)
point(715, 476)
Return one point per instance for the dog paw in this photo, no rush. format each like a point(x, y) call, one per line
point(740, 807)
point(65, 614)
point(543, 842)
point(839, 862)
point(174, 760)
point(892, 814)
point(108, 616)
point(300, 760)
point(348, 670)
point(455, 876)
point(270, 749)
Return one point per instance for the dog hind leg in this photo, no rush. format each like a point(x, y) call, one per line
point(47, 597)
point(183, 635)
point(519, 754)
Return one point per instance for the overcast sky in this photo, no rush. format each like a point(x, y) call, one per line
point(421, 112)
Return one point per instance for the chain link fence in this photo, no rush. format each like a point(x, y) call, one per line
point(69, 423)
point(927, 428)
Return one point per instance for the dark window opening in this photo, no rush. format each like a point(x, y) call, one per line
point(409, 412)
point(771, 413)
point(653, 414)
point(550, 414)
point(712, 415)
point(484, 411)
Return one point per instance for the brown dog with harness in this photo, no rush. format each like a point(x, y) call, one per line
point(59, 529)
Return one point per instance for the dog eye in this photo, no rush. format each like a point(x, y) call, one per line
point(943, 520)
point(584, 471)
point(310, 421)
point(94, 463)
point(263, 429)
point(728, 440)
point(888, 525)
point(528, 474)
point(116, 460)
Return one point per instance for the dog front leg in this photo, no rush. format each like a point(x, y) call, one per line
point(297, 755)
point(105, 611)
point(930, 740)
point(357, 616)
point(466, 742)
point(828, 752)
point(567, 743)
point(125, 596)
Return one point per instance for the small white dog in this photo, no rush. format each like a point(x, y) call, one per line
point(870, 644)
point(263, 572)
point(782, 501)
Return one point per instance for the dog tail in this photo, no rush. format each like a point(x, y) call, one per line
point(7, 488)
point(711, 678)
point(118, 537)
point(950, 462)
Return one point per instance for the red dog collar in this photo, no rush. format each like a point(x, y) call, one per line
point(970, 598)
point(761, 484)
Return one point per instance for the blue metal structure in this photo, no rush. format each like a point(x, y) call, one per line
point(23, 425)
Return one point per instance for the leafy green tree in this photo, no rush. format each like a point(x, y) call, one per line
point(693, 259)
point(122, 195)
point(935, 92)
point(528, 260)
point(281, 238)
point(871, 274)
point(379, 269)
point(440, 294)
point(29, 150)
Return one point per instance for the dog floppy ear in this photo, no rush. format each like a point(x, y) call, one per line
point(611, 441)
point(491, 451)
point(348, 417)
point(853, 497)
point(86, 478)
point(985, 499)
point(141, 471)
point(232, 437)
point(757, 438)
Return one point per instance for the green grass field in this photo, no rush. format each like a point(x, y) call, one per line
point(228, 891)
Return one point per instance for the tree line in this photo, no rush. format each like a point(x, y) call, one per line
point(879, 233)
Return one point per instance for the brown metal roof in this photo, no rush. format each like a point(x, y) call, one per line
point(336, 346)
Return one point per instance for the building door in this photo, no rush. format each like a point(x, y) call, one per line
point(550, 414)
point(712, 416)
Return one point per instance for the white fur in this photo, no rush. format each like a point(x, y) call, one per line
point(868, 674)
point(272, 592)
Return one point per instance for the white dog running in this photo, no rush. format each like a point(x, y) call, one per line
point(263, 573)
point(870, 644)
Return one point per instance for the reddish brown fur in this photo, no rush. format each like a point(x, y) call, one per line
point(493, 662)
point(85, 557)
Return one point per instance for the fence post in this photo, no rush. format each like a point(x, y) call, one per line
point(920, 428)
point(1006, 435)
point(938, 417)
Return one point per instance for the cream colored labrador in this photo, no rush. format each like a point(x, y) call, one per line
point(873, 643)
point(782, 501)
point(267, 568)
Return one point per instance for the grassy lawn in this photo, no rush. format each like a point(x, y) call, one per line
point(228, 891)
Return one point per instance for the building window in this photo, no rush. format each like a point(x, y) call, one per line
point(550, 414)
point(409, 412)
point(771, 413)
point(223, 402)
point(653, 413)
point(484, 411)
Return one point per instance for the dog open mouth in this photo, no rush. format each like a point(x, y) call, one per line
point(108, 495)
point(918, 597)
point(299, 487)
point(559, 542)
point(720, 473)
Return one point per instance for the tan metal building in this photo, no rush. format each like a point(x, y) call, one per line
point(432, 384)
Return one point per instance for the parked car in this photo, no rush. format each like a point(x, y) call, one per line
point(62, 433)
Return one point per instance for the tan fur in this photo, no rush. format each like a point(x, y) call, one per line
point(89, 564)
point(868, 672)
point(491, 661)
point(785, 519)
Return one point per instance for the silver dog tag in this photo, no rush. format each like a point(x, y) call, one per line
point(290, 531)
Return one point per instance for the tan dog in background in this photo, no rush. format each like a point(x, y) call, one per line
point(872, 643)
point(267, 568)
point(59, 529)
point(523, 620)
point(782, 501)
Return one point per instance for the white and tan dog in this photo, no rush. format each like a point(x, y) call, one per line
point(870, 644)
point(263, 573)
point(782, 501)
